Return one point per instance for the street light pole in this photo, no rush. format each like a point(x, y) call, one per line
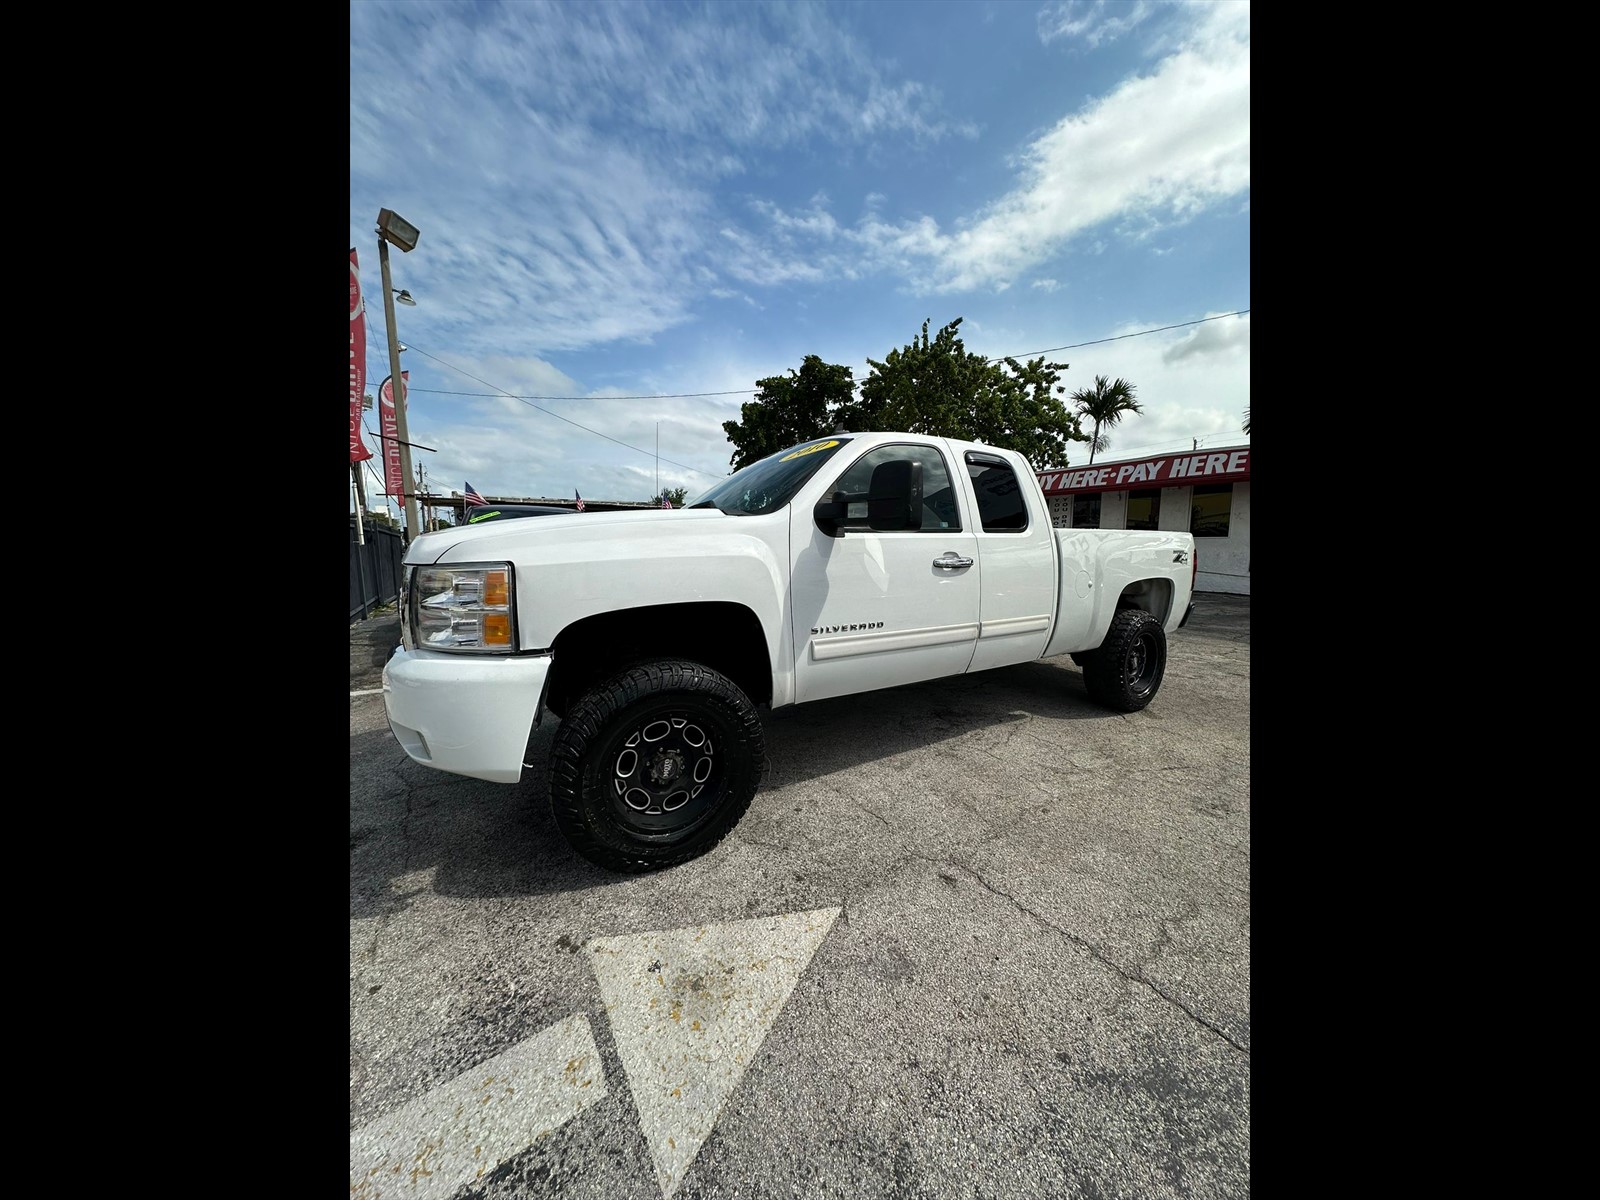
point(392, 227)
point(399, 384)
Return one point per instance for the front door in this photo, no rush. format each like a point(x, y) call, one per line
point(875, 609)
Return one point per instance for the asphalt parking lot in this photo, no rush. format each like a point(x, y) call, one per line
point(974, 938)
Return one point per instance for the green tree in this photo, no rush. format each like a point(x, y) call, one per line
point(675, 495)
point(1105, 404)
point(936, 386)
point(788, 409)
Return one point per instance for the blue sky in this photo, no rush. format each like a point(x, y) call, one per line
point(665, 199)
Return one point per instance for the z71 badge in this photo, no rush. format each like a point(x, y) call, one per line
point(1180, 556)
point(848, 628)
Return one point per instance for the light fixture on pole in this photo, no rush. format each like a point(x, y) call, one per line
point(396, 229)
point(405, 298)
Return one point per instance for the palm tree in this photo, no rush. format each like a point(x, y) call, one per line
point(1247, 422)
point(1104, 404)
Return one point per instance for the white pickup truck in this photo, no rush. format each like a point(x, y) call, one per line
point(845, 564)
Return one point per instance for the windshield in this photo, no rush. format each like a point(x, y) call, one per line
point(767, 486)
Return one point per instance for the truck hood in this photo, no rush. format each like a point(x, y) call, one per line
point(511, 538)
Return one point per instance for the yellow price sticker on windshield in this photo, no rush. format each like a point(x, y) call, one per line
point(810, 450)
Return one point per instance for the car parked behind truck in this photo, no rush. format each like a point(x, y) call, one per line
point(659, 638)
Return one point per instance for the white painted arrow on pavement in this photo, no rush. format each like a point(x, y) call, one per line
point(463, 1129)
point(689, 1009)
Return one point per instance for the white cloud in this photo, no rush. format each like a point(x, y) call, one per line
point(1156, 151)
point(589, 141)
point(1091, 21)
point(1223, 337)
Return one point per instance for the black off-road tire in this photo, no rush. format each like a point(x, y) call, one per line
point(654, 766)
point(1081, 657)
point(1125, 672)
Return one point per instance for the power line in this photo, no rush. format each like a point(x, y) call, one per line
point(751, 391)
point(654, 396)
point(558, 416)
point(529, 400)
point(381, 482)
point(1120, 336)
point(382, 456)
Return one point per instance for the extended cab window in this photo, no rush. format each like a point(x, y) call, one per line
point(939, 509)
point(1001, 505)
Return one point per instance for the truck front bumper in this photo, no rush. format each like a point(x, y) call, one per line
point(465, 714)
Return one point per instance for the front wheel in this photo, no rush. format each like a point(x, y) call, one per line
point(1125, 672)
point(654, 766)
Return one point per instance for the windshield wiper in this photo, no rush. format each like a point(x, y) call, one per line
point(704, 504)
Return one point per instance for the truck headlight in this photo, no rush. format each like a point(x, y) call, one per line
point(465, 608)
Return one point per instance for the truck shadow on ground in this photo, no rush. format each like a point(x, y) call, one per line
point(485, 839)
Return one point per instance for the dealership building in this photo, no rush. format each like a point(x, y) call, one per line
point(1206, 492)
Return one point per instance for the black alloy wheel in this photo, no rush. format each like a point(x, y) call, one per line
point(654, 766)
point(1126, 671)
point(663, 772)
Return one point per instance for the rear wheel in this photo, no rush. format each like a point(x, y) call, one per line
point(654, 766)
point(1125, 672)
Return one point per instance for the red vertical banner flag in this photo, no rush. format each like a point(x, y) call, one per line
point(358, 360)
point(389, 430)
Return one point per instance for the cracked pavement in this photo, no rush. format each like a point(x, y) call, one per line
point(1038, 985)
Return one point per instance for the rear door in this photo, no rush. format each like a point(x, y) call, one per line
point(1014, 537)
point(874, 609)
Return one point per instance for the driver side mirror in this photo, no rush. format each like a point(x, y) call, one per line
point(831, 512)
point(894, 498)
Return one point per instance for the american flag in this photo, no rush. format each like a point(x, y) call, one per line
point(665, 503)
point(579, 504)
point(472, 497)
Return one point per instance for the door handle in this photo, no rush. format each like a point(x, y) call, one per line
point(952, 562)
